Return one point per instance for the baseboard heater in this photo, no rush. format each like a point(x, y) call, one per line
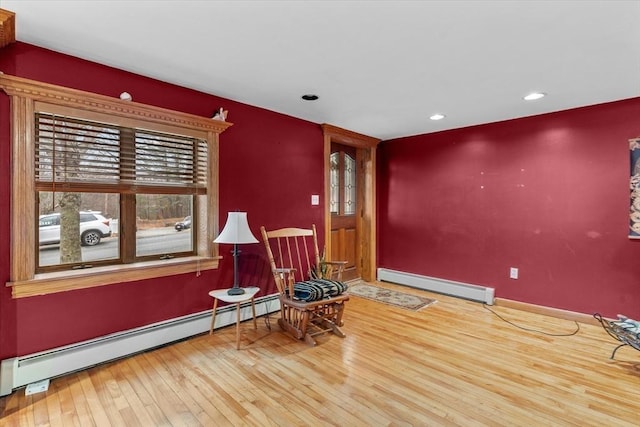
point(442, 286)
point(20, 371)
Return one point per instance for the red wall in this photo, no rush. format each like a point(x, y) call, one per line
point(547, 194)
point(270, 164)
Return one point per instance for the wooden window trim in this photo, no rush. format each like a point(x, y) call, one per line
point(27, 97)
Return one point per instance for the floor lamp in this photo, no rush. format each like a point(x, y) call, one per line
point(236, 231)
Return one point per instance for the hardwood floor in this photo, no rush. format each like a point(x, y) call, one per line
point(453, 363)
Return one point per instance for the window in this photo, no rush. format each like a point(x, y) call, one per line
point(163, 171)
point(112, 183)
point(349, 185)
point(342, 183)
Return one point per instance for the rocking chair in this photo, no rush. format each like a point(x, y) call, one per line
point(312, 294)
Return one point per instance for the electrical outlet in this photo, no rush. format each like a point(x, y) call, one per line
point(315, 199)
point(513, 273)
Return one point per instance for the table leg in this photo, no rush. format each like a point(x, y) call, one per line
point(213, 315)
point(238, 327)
point(253, 309)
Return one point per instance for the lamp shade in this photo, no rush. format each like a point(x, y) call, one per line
point(236, 230)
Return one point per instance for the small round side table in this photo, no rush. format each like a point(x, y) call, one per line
point(221, 295)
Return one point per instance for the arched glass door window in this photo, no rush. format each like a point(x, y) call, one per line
point(343, 183)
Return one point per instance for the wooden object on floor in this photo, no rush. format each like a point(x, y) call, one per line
point(7, 27)
point(293, 256)
point(222, 295)
point(454, 364)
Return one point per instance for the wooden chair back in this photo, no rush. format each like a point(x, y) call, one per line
point(293, 254)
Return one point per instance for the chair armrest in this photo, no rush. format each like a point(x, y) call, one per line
point(284, 279)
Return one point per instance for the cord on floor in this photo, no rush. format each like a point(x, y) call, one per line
point(533, 330)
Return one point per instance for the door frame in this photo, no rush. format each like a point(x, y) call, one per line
point(366, 218)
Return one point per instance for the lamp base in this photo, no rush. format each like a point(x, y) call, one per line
point(235, 291)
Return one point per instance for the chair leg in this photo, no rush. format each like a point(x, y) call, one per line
point(304, 324)
point(339, 310)
point(337, 331)
point(309, 340)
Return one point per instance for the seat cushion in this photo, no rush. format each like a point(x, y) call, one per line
point(317, 289)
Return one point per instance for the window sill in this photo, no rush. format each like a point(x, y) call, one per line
point(62, 281)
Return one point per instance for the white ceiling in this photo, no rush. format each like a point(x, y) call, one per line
point(379, 67)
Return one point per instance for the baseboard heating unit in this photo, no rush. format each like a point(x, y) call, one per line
point(441, 286)
point(20, 371)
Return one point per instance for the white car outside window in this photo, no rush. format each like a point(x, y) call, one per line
point(93, 227)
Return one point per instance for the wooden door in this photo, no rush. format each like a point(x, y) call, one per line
point(350, 233)
point(343, 206)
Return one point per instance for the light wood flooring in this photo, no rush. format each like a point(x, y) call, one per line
point(451, 364)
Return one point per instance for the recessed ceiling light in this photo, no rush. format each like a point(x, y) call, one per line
point(437, 116)
point(310, 97)
point(534, 95)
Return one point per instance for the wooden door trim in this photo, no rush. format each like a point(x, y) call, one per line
point(366, 220)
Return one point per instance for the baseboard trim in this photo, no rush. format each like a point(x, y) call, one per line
point(443, 286)
point(20, 371)
point(547, 311)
